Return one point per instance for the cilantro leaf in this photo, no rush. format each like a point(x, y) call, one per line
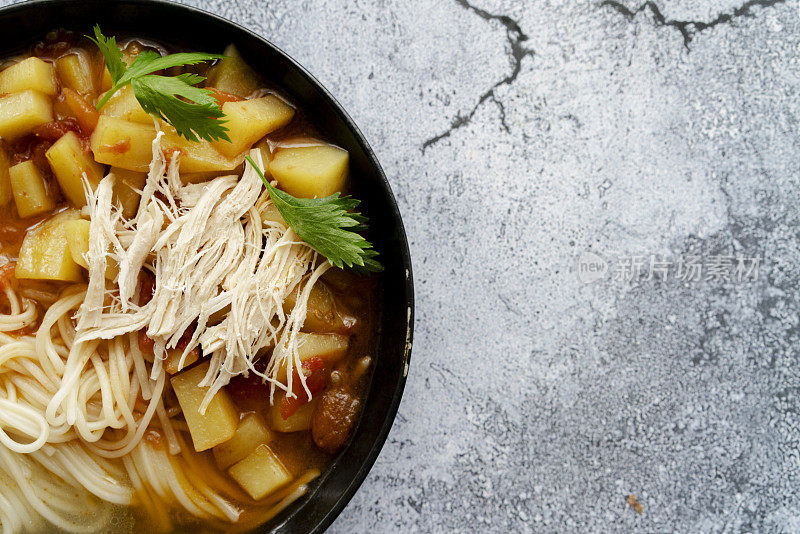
point(327, 225)
point(111, 53)
point(193, 111)
point(189, 116)
point(148, 62)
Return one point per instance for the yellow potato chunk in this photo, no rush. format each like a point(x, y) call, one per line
point(219, 423)
point(271, 214)
point(128, 145)
point(298, 421)
point(105, 80)
point(251, 433)
point(329, 347)
point(173, 360)
point(70, 164)
point(124, 105)
point(21, 112)
point(196, 156)
point(233, 75)
point(260, 473)
point(5, 182)
point(75, 72)
point(126, 189)
point(310, 171)
point(45, 253)
point(250, 120)
point(77, 232)
point(30, 191)
point(31, 73)
point(123, 144)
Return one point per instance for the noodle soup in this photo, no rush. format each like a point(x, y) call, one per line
point(173, 354)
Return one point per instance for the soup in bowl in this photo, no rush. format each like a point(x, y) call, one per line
point(191, 304)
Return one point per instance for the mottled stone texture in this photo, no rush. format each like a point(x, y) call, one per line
point(517, 135)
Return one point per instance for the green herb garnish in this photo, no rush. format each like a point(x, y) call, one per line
point(327, 225)
point(193, 111)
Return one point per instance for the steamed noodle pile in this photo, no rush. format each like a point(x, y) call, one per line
point(87, 421)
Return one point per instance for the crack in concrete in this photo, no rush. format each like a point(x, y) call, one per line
point(517, 52)
point(689, 28)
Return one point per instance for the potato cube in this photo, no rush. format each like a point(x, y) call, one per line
point(172, 363)
point(330, 347)
point(21, 113)
point(233, 75)
point(31, 73)
point(250, 120)
point(78, 243)
point(105, 80)
point(310, 171)
point(260, 473)
point(300, 420)
point(124, 144)
point(271, 214)
point(126, 189)
point(30, 190)
point(251, 433)
point(77, 232)
point(5, 182)
point(70, 164)
point(45, 253)
point(265, 149)
point(220, 420)
point(75, 72)
point(128, 145)
point(198, 156)
point(125, 106)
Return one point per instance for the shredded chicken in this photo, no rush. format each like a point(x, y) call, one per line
point(212, 247)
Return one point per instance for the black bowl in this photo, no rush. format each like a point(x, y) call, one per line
point(23, 24)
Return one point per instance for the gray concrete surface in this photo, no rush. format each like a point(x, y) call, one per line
point(521, 136)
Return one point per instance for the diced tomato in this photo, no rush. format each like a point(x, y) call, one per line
point(52, 131)
point(290, 405)
point(223, 97)
point(146, 344)
point(86, 115)
point(249, 393)
point(316, 380)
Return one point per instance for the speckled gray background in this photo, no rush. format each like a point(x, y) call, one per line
point(517, 137)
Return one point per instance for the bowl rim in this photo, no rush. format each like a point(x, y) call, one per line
point(391, 413)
